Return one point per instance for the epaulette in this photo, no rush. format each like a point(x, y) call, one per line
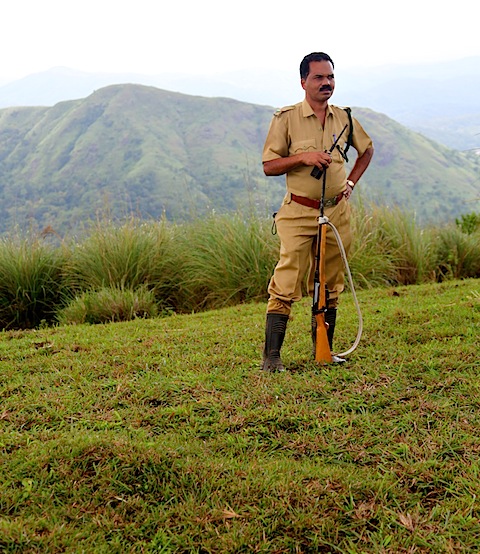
point(284, 109)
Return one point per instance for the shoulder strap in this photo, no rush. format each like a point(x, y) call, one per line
point(350, 132)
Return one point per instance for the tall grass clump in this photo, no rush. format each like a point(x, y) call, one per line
point(109, 305)
point(370, 261)
point(390, 248)
point(226, 260)
point(133, 255)
point(31, 285)
point(458, 253)
point(119, 272)
point(412, 246)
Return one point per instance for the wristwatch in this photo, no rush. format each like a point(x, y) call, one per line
point(351, 183)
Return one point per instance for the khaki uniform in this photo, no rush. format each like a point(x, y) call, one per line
point(295, 129)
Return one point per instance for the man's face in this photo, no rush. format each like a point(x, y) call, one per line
point(320, 82)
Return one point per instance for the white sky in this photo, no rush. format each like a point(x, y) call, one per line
point(214, 36)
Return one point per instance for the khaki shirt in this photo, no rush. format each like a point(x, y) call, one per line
point(296, 129)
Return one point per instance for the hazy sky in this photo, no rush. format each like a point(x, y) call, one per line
point(210, 36)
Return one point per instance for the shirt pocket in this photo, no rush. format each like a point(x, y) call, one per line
point(309, 145)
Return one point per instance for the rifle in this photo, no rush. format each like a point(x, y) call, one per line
point(320, 291)
point(317, 172)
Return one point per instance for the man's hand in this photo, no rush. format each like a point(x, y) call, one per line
point(348, 190)
point(320, 159)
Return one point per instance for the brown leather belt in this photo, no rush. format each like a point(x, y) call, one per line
point(311, 203)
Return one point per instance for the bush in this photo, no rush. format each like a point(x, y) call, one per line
point(468, 223)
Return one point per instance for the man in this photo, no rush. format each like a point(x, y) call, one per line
point(298, 141)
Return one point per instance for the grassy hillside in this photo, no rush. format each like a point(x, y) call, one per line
point(162, 435)
point(128, 149)
point(135, 149)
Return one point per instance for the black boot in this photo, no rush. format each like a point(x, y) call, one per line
point(331, 319)
point(275, 329)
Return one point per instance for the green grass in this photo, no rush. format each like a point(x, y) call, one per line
point(162, 435)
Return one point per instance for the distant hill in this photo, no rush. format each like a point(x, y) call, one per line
point(138, 149)
point(420, 96)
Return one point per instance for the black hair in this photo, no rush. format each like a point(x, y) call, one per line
point(313, 57)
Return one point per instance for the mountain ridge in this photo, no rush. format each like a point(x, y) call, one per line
point(420, 96)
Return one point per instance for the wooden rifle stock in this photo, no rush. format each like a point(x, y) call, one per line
point(322, 347)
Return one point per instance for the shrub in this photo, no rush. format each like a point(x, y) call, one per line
point(468, 223)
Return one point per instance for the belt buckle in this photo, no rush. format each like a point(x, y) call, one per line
point(333, 201)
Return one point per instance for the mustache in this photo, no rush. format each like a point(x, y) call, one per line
point(326, 87)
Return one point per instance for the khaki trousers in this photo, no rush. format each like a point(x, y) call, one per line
point(297, 227)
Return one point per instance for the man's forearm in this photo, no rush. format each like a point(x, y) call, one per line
point(279, 166)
